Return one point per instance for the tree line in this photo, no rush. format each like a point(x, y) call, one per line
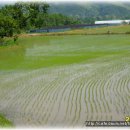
point(21, 17)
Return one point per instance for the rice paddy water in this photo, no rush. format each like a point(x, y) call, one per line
point(65, 80)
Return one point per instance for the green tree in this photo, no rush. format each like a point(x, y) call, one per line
point(7, 26)
point(25, 14)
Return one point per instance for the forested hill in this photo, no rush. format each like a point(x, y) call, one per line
point(89, 12)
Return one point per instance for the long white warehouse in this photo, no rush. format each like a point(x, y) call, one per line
point(112, 22)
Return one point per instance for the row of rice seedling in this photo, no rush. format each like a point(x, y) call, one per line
point(68, 94)
point(39, 94)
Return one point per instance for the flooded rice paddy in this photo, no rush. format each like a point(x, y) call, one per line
point(65, 80)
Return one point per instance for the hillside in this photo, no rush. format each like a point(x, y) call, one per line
point(89, 12)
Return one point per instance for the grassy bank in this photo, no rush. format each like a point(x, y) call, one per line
point(121, 29)
point(5, 122)
point(112, 29)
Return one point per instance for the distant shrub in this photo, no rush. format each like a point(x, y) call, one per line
point(8, 41)
point(2, 42)
point(127, 32)
point(15, 39)
point(108, 32)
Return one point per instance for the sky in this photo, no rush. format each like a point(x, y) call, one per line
point(2, 2)
point(12, 1)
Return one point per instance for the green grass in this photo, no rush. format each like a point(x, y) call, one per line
point(39, 52)
point(4, 122)
point(119, 29)
point(112, 29)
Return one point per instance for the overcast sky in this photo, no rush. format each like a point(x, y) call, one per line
point(13, 1)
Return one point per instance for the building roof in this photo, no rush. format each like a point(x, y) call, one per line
point(111, 21)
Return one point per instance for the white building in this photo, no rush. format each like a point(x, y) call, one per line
point(112, 22)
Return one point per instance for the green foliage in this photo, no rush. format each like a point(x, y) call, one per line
point(25, 16)
point(24, 13)
point(49, 20)
point(4, 122)
point(127, 32)
point(18, 17)
point(15, 38)
point(7, 26)
point(1, 41)
point(8, 41)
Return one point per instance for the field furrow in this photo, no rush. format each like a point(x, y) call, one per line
point(73, 82)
